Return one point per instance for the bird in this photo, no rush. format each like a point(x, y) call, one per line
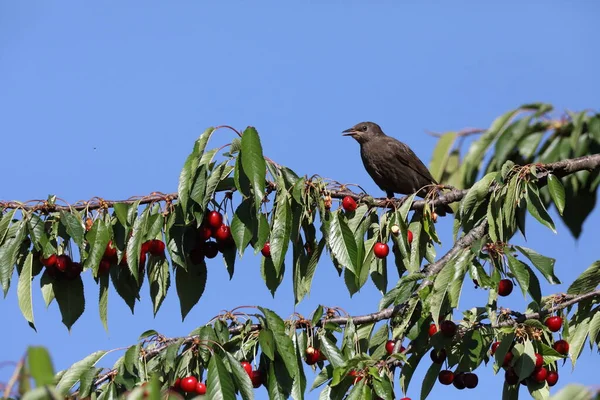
point(393, 166)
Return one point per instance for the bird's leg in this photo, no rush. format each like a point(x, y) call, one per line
point(390, 201)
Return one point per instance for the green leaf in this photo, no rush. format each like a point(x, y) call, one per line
point(537, 209)
point(283, 343)
point(557, 192)
point(240, 377)
point(8, 254)
point(341, 242)
point(4, 224)
point(544, 264)
point(440, 287)
point(476, 194)
point(430, 378)
point(270, 275)
point(574, 391)
point(74, 225)
point(525, 364)
point(73, 374)
point(103, 300)
point(587, 281)
point(125, 285)
point(190, 286)
point(273, 385)
point(440, 156)
point(281, 230)
point(330, 350)
point(24, 290)
point(517, 268)
point(40, 365)
point(70, 299)
point(190, 166)
point(577, 338)
point(243, 226)
point(134, 244)
point(254, 164)
point(98, 237)
point(159, 280)
point(122, 212)
point(267, 343)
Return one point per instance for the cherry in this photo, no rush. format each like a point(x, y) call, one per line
point(145, 247)
point(389, 346)
point(357, 378)
point(552, 378)
point(256, 378)
point(204, 232)
point(266, 250)
point(409, 236)
point(505, 287)
point(156, 247)
point(446, 377)
point(459, 381)
point(247, 366)
point(448, 328)
point(211, 249)
point(432, 330)
point(189, 384)
point(214, 219)
point(50, 261)
point(176, 384)
point(349, 204)
point(395, 229)
point(111, 251)
point(434, 217)
point(438, 357)
point(62, 262)
point(142, 263)
point(507, 359)
point(312, 355)
point(381, 250)
point(471, 380)
point(511, 377)
point(200, 388)
point(104, 267)
point(539, 360)
point(554, 323)
point(562, 346)
point(494, 347)
point(222, 233)
point(539, 374)
point(405, 398)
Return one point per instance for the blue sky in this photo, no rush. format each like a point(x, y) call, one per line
point(106, 100)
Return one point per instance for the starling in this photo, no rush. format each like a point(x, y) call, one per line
point(394, 167)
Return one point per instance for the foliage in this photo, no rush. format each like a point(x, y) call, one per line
point(518, 166)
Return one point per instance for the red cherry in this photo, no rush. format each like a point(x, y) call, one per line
point(256, 378)
point(349, 204)
point(223, 233)
point(354, 374)
point(552, 378)
point(200, 388)
point(448, 328)
point(189, 384)
point(561, 346)
point(494, 347)
point(62, 262)
point(539, 360)
point(145, 247)
point(142, 263)
point(123, 262)
point(459, 381)
point(471, 380)
point(539, 374)
point(50, 261)
point(381, 250)
point(405, 398)
point(177, 384)
point(211, 249)
point(434, 217)
point(438, 357)
point(214, 219)
point(507, 359)
point(104, 267)
point(511, 377)
point(554, 323)
point(247, 366)
point(505, 287)
point(409, 236)
point(74, 269)
point(446, 377)
point(432, 330)
point(389, 346)
point(266, 250)
point(156, 247)
point(111, 251)
point(204, 232)
point(312, 355)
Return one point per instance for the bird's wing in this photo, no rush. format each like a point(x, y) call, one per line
point(410, 159)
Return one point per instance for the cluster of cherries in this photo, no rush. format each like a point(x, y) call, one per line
point(212, 227)
point(59, 266)
point(381, 250)
point(189, 384)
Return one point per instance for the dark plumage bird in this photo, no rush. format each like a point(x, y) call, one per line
point(394, 167)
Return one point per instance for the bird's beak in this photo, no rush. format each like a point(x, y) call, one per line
point(349, 132)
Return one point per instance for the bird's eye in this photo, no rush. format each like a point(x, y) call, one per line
point(364, 128)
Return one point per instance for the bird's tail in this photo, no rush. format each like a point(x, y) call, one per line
point(443, 209)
